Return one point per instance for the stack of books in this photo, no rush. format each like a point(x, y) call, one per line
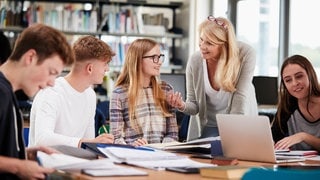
point(224, 172)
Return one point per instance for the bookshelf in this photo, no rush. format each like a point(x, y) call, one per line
point(64, 15)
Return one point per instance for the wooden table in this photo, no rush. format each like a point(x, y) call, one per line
point(167, 175)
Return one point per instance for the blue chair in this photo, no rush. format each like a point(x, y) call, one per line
point(102, 115)
point(183, 131)
point(26, 136)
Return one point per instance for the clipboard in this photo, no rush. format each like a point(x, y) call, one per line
point(92, 147)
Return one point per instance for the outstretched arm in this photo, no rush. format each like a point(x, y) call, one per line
point(289, 141)
point(25, 169)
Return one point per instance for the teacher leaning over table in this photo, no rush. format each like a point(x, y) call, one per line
point(218, 77)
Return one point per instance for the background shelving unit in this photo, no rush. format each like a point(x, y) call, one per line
point(166, 38)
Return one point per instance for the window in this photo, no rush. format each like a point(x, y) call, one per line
point(220, 8)
point(258, 25)
point(304, 30)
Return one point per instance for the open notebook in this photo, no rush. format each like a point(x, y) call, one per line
point(249, 138)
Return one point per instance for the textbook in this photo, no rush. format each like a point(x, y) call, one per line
point(203, 142)
point(93, 147)
point(76, 152)
point(95, 167)
point(202, 145)
point(147, 157)
point(299, 153)
point(224, 172)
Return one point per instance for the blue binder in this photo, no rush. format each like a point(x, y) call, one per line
point(292, 173)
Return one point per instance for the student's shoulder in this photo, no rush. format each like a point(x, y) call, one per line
point(244, 47)
point(120, 89)
point(5, 89)
point(55, 90)
point(5, 94)
point(166, 86)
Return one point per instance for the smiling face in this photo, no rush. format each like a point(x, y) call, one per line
point(39, 76)
point(149, 68)
point(209, 50)
point(296, 80)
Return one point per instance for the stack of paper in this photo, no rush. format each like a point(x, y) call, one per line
point(298, 153)
point(198, 143)
point(149, 158)
point(97, 167)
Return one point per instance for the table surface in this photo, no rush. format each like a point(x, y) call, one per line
point(163, 175)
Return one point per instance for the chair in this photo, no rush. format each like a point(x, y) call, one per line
point(184, 125)
point(26, 136)
point(102, 115)
point(266, 89)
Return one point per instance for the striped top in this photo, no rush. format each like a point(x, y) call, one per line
point(150, 123)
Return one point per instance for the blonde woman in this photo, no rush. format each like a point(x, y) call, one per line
point(219, 78)
point(139, 112)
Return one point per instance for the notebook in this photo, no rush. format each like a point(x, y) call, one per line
point(248, 138)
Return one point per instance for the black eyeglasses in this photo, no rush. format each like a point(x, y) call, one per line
point(155, 58)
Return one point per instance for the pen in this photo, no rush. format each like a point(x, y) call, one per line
point(105, 129)
point(144, 148)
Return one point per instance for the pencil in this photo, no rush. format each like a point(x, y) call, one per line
point(105, 129)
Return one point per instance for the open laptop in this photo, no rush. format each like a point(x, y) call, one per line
point(248, 138)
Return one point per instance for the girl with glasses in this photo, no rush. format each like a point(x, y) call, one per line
point(139, 112)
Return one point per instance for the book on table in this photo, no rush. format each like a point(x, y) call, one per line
point(198, 146)
point(95, 167)
point(175, 145)
point(224, 172)
point(298, 153)
point(147, 157)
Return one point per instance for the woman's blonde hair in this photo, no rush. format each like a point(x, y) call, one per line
point(220, 31)
point(131, 76)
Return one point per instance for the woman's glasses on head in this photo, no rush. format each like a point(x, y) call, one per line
point(218, 22)
point(155, 58)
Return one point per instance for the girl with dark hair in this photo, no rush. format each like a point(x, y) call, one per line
point(297, 122)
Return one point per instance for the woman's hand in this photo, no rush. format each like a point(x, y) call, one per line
point(289, 141)
point(175, 100)
point(32, 151)
point(102, 138)
point(32, 170)
point(140, 142)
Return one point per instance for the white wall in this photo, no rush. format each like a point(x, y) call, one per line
point(192, 13)
point(199, 11)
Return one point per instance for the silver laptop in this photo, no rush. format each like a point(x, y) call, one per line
point(248, 138)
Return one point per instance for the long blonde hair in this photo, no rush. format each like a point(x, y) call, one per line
point(131, 76)
point(220, 31)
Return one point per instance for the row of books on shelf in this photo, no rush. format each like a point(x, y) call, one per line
point(130, 19)
point(73, 17)
point(64, 17)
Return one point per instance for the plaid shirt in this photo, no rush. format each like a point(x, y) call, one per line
point(150, 123)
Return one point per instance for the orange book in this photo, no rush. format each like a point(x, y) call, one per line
point(224, 172)
point(221, 160)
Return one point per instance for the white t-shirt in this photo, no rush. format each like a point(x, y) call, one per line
point(217, 101)
point(60, 115)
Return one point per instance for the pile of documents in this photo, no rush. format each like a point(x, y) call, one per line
point(148, 158)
